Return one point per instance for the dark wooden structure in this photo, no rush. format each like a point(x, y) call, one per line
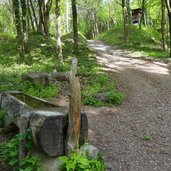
point(136, 15)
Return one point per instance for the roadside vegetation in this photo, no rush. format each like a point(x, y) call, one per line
point(145, 41)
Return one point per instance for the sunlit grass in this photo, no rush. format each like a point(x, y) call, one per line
point(145, 41)
point(42, 58)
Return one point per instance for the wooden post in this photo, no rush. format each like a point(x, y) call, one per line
point(74, 109)
point(24, 120)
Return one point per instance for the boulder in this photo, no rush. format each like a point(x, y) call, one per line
point(59, 76)
point(102, 97)
point(41, 78)
point(90, 150)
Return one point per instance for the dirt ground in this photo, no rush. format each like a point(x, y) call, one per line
point(135, 136)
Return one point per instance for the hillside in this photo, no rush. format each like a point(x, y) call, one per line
point(145, 42)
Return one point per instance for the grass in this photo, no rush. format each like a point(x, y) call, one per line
point(146, 41)
point(42, 58)
point(146, 138)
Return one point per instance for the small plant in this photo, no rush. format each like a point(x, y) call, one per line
point(146, 138)
point(9, 153)
point(115, 97)
point(41, 91)
point(30, 163)
point(101, 84)
point(79, 161)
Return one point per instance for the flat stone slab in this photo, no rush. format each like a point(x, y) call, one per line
point(41, 78)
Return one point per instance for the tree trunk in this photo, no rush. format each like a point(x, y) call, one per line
point(34, 14)
point(58, 33)
point(168, 5)
point(170, 31)
point(163, 26)
point(67, 16)
point(47, 7)
point(40, 16)
point(24, 24)
point(20, 37)
point(75, 26)
point(30, 16)
point(125, 22)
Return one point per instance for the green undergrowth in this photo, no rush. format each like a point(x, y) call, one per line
point(9, 153)
point(79, 161)
point(145, 42)
point(42, 58)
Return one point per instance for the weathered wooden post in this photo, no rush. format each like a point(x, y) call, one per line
point(74, 109)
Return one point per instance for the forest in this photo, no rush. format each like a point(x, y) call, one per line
point(116, 54)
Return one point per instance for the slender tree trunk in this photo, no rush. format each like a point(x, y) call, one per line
point(34, 15)
point(40, 3)
point(58, 33)
point(95, 24)
point(125, 22)
point(30, 16)
point(24, 24)
point(20, 37)
point(109, 14)
point(128, 20)
point(75, 26)
point(168, 5)
point(170, 31)
point(143, 18)
point(67, 16)
point(48, 6)
point(163, 26)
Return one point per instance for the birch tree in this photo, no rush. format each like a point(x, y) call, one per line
point(58, 33)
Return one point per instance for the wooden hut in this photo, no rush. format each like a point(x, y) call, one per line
point(136, 15)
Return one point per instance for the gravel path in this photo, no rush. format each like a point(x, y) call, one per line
point(120, 132)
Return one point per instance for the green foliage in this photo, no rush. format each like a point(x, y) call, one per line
point(40, 90)
point(79, 161)
point(43, 59)
point(9, 152)
point(2, 115)
point(115, 97)
point(145, 41)
point(101, 84)
point(30, 163)
point(146, 138)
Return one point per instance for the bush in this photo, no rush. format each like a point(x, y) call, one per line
point(79, 161)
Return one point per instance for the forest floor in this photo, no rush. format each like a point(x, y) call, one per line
point(136, 135)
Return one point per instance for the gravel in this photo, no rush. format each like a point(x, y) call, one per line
point(135, 136)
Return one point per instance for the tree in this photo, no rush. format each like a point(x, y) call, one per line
point(163, 24)
point(67, 16)
point(125, 8)
point(20, 36)
point(168, 5)
point(75, 26)
point(58, 33)
point(24, 24)
point(44, 12)
point(34, 15)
